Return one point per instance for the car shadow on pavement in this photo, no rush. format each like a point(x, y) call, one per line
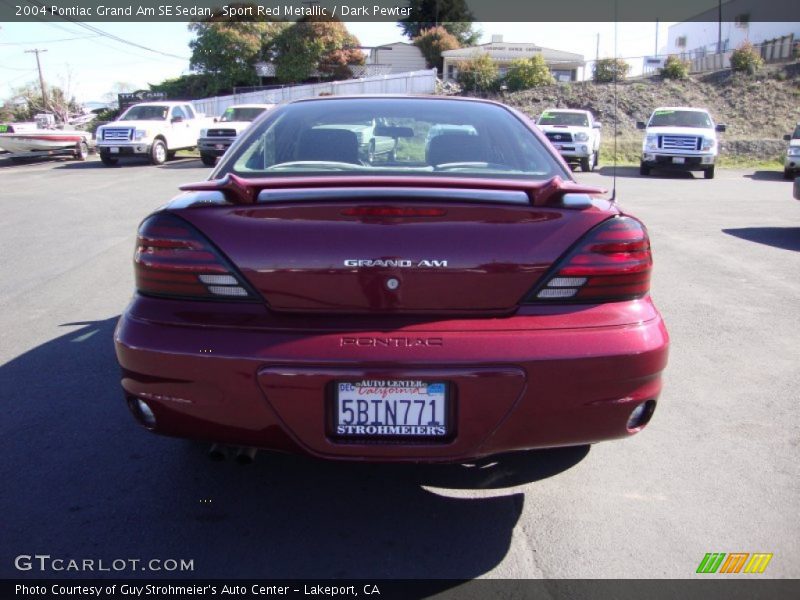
point(185, 163)
point(82, 480)
point(786, 238)
point(82, 165)
point(633, 173)
point(766, 176)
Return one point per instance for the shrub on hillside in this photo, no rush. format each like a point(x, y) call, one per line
point(675, 68)
point(478, 74)
point(526, 73)
point(605, 68)
point(746, 59)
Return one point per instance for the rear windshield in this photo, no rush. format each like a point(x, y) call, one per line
point(680, 118)
point(241, 114)
point(407, 136)
point(796, 134)
point(563, 118)
point(146, 113)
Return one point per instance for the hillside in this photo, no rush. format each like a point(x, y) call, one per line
point(758, 109)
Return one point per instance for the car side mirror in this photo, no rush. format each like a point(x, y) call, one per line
point(640, 125)
point(797, 188)
point(597, 125)
point(721, 128)
point(787, 138)
point(216, 120)
point(177, 120)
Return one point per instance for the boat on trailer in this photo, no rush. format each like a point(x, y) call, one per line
point(34, 140)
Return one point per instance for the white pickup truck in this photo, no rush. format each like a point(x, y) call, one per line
point(574, 133)
point(217, 138)
point(791, 163)
point(155, 130)
point(678, 137)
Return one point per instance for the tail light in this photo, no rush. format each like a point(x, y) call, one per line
point(612, 262)
point(174, 259)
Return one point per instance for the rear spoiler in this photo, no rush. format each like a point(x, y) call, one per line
point(240, 190)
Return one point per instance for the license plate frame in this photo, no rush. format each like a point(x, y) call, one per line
point(678, 160)
point(114, 150)
point(219, 147)
point(440, 428)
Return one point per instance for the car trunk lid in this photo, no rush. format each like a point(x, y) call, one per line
point(394, 249)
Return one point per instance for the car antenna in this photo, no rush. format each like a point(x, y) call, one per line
point(614, 70)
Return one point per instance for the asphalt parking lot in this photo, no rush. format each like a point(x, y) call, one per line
point(716, 471)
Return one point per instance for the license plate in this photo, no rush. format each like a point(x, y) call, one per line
point(391, 408)
point(557, 146)
point(678, 160)
point(219, 146)
point(114, 150)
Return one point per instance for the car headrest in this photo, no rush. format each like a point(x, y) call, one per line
point(456, 147)
point(339, 145)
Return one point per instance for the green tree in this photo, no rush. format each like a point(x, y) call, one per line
point(453, 15)
point(675, 68)
point(314, 47)
point(605, 68)
point(190, 86)
point(478, 74)
point(746, 59)
point(229, 50)
point(525, 73)
point(432, 42)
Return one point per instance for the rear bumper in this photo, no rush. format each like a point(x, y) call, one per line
point(520, 382)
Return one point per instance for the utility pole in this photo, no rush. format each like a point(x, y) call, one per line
point(37, 51)
point(719, 27)
point(597, 53)
point(656, 52)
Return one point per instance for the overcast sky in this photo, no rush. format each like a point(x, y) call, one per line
point(87, 64)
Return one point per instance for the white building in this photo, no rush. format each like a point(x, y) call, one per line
point(725, 28)
point(399, 57)
point(563, 65)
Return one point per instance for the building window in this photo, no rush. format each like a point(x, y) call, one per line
point(563, 75)
point(681, 42)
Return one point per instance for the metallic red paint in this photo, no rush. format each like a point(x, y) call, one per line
point(237, 374)
point(521, 375)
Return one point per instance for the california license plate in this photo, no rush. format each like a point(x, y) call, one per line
point(391, 408)
point(678, 160)
point(219, 146)
point(114, 150)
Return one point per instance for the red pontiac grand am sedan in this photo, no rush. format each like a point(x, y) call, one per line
point(454, 297)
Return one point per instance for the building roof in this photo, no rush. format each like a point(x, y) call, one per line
point(510, 51)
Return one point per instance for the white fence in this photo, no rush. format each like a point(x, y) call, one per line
point(778, 50)
point(414, 82)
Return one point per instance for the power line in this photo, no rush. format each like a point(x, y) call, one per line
point(82, 37)
point(111, 36)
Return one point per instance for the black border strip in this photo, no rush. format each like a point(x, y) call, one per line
point(393, 10)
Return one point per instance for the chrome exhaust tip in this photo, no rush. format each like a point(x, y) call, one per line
point(217, 452)
point(246, 455)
